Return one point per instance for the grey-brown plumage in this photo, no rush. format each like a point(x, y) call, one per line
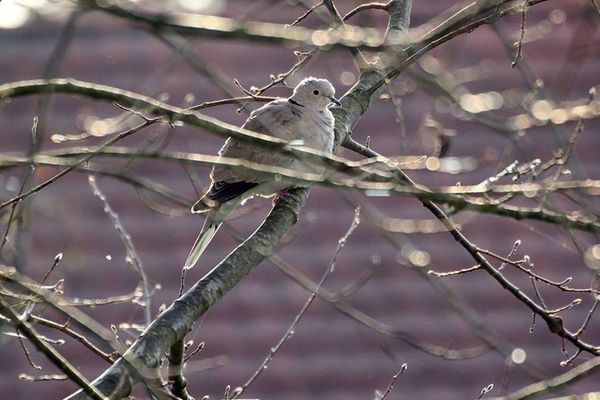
point(304, 118)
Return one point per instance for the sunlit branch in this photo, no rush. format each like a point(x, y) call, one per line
point(562, 380)
point(57, 359)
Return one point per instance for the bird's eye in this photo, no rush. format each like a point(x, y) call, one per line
point(316, 92)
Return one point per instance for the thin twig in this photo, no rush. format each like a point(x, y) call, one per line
point(537, 293)
point(360, 60)
point(132, 256)
point(57, 259)
point(372, 323)
point(13, 207)
point(519, 53)
point(232, 100)
point(562, 285)
point(49, 351)
point(77, 336)
point(30, 304)
point(42, 378)
point(455, 272)
point(485, 390)
point(588, 317)
point(555, 324)
point(77, 163)
point(366, 6)
point(290, 331)
point(390, 386)
point(306, 14)
point(27, 353)
point(554, 383)
point(83, 302)
point(194, 352)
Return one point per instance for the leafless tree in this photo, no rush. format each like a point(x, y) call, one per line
point(543, 178)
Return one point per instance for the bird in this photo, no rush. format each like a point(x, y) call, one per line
point(304, 118)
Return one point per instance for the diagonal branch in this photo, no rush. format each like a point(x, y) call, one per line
point(562, 380)
point(49, 351)
point(176, 321)
point(229, 28)
point(443, 195)
point(555, 324)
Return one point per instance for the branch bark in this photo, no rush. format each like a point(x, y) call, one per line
point(562, 380)
point(54, 356)
point(176, 321)
point(179, 318)
point(451, 196)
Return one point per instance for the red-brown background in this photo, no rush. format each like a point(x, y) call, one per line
point(330, 356)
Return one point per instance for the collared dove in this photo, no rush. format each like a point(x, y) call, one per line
point(304, 118)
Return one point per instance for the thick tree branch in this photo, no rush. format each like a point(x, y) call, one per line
point(399, 17)
point(179, 318)
point(176, 321)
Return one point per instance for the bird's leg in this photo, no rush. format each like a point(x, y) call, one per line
point(283, 195)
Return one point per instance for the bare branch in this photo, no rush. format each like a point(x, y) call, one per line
point(77, 336)
point(132, 256)
point(290, 331)
point(554, 323)
point(519, 53)
point(27, 353)
point(390, 386)
point(174, 323)
point(596, 5)
point(367, 6)
point(177, 382)
point(229, 28)
point(49, 351)
point(306, 14)
point(73, 166)
point(551, 384)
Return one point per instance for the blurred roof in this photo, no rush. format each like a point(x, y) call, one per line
point(330, 355)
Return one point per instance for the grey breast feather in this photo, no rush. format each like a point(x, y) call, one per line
point(274, 119)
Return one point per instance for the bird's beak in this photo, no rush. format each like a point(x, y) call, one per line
point(335, 101)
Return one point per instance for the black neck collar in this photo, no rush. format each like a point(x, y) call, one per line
point(294, 102)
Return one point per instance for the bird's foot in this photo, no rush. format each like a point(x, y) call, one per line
point(284, 195)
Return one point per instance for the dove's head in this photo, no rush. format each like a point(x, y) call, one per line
point(315, 93)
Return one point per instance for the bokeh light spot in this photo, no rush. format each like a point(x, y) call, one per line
point(13, 15)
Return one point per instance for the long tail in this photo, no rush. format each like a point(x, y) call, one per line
point(210, 227)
